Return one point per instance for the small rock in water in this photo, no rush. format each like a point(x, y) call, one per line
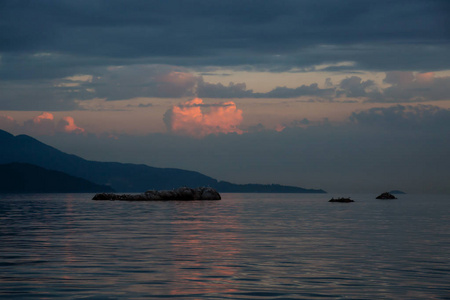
point(344, 200)
point(386, 195)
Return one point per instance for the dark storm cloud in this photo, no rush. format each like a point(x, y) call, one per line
point(404, 87)
point(355, 87)
point(169, 82)
point(304, 90)
point(41, 95)
point(418, 117)
point(141, 105)
point(407, 86)
point(273, 35)
point(218, 90)
point(164, 82)
point(46, 41)
point(125, 82)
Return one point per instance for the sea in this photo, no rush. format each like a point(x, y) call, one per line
point(245, 246)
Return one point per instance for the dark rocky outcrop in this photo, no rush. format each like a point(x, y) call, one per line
point(182, 193)
point(386, 196)
point(343, 200)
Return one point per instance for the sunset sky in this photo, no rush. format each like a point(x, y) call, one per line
point(341, 95)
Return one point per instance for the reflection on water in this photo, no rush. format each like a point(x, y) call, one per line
point(255, 246)
point(196, 255)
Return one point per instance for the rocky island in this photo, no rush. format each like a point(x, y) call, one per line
point(180, 194)
point(386, 196)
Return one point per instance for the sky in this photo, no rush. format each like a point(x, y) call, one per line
point(348, 96)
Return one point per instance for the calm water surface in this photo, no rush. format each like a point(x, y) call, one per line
point(246, 246)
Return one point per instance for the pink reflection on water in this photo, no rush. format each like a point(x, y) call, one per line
point(204, 259)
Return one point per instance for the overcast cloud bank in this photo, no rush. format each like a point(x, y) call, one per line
point(145, 48)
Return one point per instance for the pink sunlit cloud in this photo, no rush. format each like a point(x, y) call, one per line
point(425, 78)
point(42, 117)
point(189, 118)
point(43, 124)
point(67, 124)
point(8, 123)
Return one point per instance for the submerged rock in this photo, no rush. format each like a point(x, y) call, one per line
point(386, 196)
point(182, 193)
point(344, 200)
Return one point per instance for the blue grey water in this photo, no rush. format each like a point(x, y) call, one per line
point(246, 246)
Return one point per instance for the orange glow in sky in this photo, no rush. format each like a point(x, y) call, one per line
point(198, 119)
point(70, 125)
point(425, 77)
point(43, 124)
point(43, 116)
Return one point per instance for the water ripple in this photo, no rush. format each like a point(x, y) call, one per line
point(243, 247)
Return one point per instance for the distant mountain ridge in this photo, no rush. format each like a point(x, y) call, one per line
point(121, 177)
point(26, 178)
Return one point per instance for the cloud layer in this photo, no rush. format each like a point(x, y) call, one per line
point(67, 36)
point(56, 52)
point(43, 124)
point(127, 82)
point(190, 118)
